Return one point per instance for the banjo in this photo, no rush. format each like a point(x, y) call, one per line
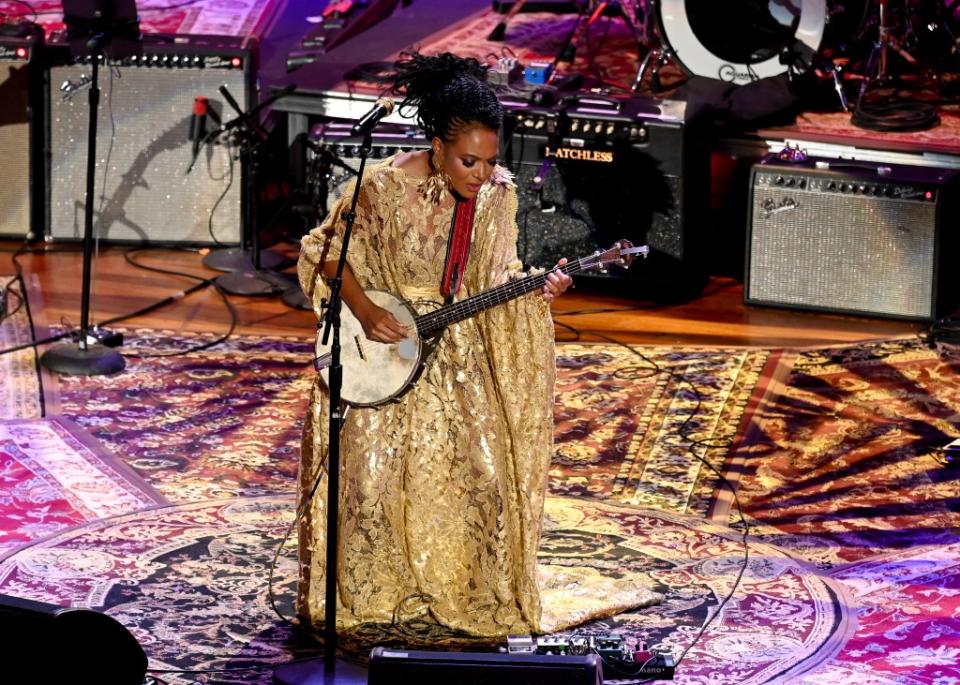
point(375, 373)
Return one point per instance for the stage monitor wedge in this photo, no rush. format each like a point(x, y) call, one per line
point(389, 666)
point(145, 194)
point(46, 643)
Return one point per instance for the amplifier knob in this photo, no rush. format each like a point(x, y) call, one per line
point(539, 124)
point(843, 187)
point(863, 189)
point(779, 180)
point(802, 183)
point(610, 129)
point(575, 125)
point(832, 185)
point(791, 182)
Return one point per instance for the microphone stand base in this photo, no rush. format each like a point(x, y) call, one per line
point(238, 259)
point(313, 672)
point(250, 283)
point(71, 360)
point(294, 297)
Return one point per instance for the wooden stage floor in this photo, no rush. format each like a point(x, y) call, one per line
point(718, 317)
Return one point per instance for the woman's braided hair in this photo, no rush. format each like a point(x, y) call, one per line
point(448, 92)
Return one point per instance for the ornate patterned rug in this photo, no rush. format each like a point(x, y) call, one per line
point(19, 380)
point(628, 421)
point(54, 477)
point(203, 425)
point(835, 465)
point(607, 50)
point(227, 420)
point(190, 582)
point(839, 464)
point(205, 17)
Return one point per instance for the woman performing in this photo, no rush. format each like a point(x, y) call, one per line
point(442, 491)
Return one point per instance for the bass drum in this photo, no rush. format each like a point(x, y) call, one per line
point(739, 41)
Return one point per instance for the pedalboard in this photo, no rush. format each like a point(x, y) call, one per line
point(620, 660)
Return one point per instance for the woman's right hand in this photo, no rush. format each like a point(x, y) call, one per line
point(380, 325)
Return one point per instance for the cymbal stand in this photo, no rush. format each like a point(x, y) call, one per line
point(878, 63)
point(656, 53)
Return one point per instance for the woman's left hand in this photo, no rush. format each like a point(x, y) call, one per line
point(557, 282)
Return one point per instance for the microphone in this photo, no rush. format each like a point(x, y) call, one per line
point(198, 123)
point(369, 121)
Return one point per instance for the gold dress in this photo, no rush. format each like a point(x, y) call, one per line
point(442, 492)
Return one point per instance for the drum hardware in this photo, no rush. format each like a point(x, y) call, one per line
point(741, 45)
point(878, 63)
point(589, 13)
point(892, 114)
point(656, 53)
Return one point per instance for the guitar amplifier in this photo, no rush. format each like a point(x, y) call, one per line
point(21, 136)
point(852, 237)
point(334, 153)
point(597, 170)
point(143, 191)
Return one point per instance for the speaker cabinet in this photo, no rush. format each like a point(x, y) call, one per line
point(591, 173)
point(852, 237)
point(465, 668)
point(21, 137)
point(143, 190)
point(45, 643)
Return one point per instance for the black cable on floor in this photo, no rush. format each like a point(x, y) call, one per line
point(896, 116)
point(693, 442)
point(202, 283)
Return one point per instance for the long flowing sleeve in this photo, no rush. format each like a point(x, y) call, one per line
point(324, 243)
point(518, 341)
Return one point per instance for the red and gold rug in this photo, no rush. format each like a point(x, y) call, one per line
point(839, 464)
point(20, 391)
point(190, 582)
point(204, 17)
point(54, 477)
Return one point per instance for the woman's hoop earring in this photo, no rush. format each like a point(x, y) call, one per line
point(437, 183)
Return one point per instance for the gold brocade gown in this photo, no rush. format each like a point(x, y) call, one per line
point(442, 492)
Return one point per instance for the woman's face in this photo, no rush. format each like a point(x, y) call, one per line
point(469, 158)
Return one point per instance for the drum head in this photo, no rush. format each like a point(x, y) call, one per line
point(739, 41)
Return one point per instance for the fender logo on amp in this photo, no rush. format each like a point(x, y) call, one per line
point(605, 156)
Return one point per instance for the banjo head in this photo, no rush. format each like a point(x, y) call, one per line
point(373, 372)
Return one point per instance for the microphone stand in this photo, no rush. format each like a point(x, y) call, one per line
point(249, 278)
point(243, 258)
point(88, 358)
point(304, 672)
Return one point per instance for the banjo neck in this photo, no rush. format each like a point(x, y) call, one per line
point(435, 321)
